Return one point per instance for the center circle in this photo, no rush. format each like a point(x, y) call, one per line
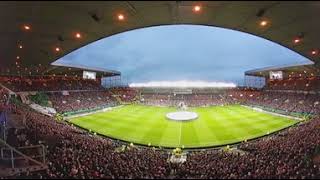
point(182, 116)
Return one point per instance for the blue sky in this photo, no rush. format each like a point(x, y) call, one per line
point(183, 52)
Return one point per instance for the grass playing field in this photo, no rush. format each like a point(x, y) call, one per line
point(217, 125)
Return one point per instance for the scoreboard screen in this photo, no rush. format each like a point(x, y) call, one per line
point(276, 75)
point(89, 75)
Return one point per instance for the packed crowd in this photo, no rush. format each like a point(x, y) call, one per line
point(289, 102)
point(288, 155)
point(74, 101)
point(286, 101)
point(49, 83)
point(295, 83)
point(74, 153)
point(3, 96)
point(125, 94)
point(188, 99)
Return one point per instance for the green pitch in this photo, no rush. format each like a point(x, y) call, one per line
point(216, 126)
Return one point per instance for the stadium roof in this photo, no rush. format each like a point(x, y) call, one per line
point(35, 34)
point(287, 69)
point(58, 68)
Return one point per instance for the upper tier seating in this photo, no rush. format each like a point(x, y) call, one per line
point(303, 84)
point(18, 84)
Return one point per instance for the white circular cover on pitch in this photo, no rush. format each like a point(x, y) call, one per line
point(182, 116)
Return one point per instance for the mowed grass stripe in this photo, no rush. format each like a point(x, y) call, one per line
point(224, 132)
point(189, 135)
point(154, 132)
point(134, 129)
point(205, 135)
point(262, 123)
point(215, 126)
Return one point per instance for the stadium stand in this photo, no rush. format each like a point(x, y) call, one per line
point(286, 155)
point(75, 153)
point(80, 100)
point(46, 83)
point(3, 96)
point(296, 83)
point(125, 94)
point(288, 102)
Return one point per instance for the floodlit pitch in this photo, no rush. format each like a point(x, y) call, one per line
point(215, 126)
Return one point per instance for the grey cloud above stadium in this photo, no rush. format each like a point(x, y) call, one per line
point(183, 52)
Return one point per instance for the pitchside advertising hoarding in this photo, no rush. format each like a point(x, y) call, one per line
point(276, 75)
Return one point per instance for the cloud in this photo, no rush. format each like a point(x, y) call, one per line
point(180, 52)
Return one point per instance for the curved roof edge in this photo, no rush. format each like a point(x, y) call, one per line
point(282, 67)
point(96, 69)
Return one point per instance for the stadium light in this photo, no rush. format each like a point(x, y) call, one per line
point(26, 27)
point(78, 35)
point(197, 8)
point(120, 17)
point(20, 46)
point(296, 40)
point(264, 23)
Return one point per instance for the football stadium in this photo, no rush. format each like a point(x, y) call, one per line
point(160, 89)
